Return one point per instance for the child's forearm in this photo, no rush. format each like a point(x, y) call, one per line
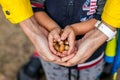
point(44, 20)
point(83, 27)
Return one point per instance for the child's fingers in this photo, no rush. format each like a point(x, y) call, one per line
point(65, 34)
point(64, 53)
point(60, 54)
point(56, 34)
point(71, 41)
point(71, 49)
point(57, 37)
point(51, 44)
point(67, 58)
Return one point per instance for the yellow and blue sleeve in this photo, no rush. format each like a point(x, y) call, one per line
point(111, 13)
point(110, 51)
point(16, 10)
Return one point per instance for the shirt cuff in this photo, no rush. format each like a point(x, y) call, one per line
point(20, 11)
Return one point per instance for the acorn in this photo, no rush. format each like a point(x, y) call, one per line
point(61, 48)
point(56, 46)
point(66, 42)
point(62, 45)
point(66, 47)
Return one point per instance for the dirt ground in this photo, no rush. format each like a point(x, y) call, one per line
point(15, 49)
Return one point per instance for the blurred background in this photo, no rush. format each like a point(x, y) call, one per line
point(15, 49)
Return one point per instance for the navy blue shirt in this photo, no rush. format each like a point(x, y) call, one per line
point(66, 12)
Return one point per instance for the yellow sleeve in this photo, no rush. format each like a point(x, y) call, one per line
point(111, 13)
point(16, 10)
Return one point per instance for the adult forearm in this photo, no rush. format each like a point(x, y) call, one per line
point(87, 46)
point(38, 36)
point(90, 43)
point(34, 32)
point(30, 27)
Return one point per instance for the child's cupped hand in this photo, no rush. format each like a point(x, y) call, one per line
point(62, 42)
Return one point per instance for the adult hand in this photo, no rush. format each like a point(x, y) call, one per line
point(69, 35)
point(38, 36)
point(86, 47)
point(54, 35)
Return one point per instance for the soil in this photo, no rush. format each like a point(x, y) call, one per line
point(15, 49)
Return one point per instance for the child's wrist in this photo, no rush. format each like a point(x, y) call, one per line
point(75, 31)
point(56, 27)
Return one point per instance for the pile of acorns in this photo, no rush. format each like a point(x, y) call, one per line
point(62, 45)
